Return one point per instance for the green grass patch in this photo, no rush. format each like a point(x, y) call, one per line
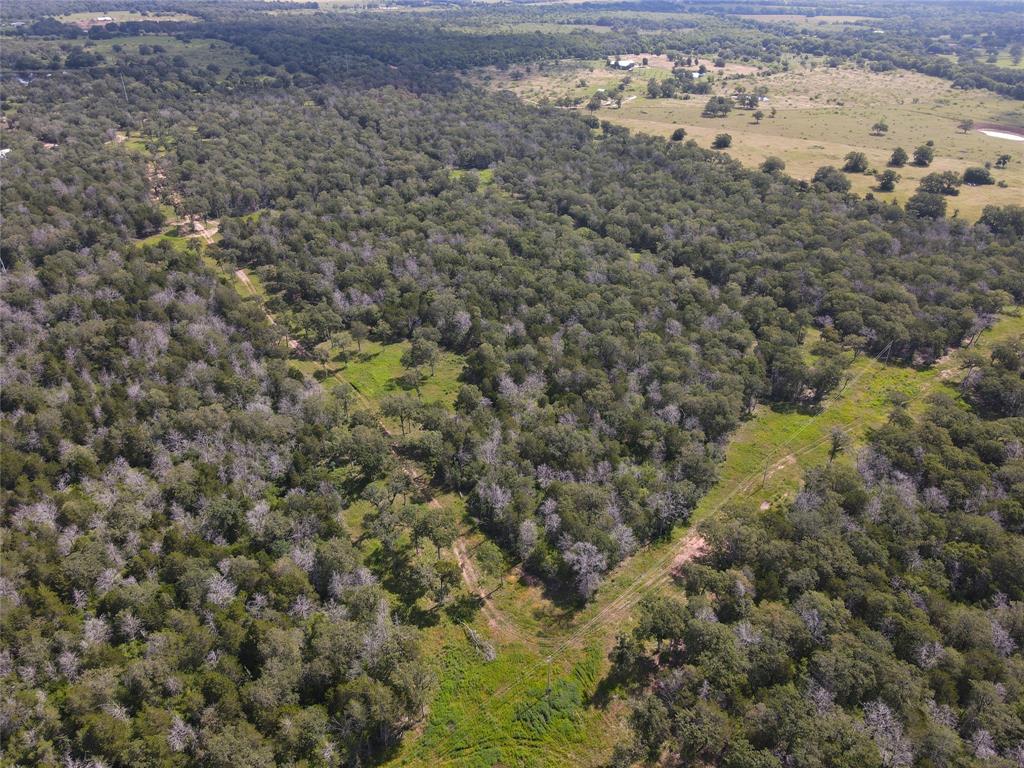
point(484, 176)
point(374, 373)
point(503, 713)
point(169, 236)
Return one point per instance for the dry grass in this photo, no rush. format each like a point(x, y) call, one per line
point(822, 114)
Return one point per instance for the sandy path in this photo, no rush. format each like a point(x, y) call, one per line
point(244, 279)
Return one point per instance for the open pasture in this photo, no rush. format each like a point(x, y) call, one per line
point(820, 115)
point(803, 21)
point(99, 18)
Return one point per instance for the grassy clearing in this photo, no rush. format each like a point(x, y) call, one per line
point(476, 719)
point(375, 371)
point(1004, 59)
point(200, 52)
point(91, 19)
point(822, 114)
point(484, 176)
point(135, 144)
point(170, 236)
point(801, 21)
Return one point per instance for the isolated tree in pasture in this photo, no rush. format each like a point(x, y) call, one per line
point(855, 162)
point(717, 106)
point(887, 180)
point(322, 356)
point(898, 158)
point(773, 164)
point(722, 141)
point(839, 441)
point(923, 155)
point(880, 128)
point(421, 352)
point(341, 341)
point(758, 116)
point(678, 134)
point(442, 529)
point(942, 183)
point(360, 332)
point(966, 125)
point(977, 176)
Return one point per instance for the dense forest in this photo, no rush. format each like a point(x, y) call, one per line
point(180, 583)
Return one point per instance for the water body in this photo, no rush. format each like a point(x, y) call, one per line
point(1001, 134)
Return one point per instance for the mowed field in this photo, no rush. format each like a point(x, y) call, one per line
point(821, 115)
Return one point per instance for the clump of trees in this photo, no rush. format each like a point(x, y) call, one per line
point(898, 158)
point(855, 162)
point(717, 106)
point(978, 176)
point(942, 183)
point(831, 179)
point(923, 155)
point(887, 180)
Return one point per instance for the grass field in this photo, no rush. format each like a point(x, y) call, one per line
point(375, 371)
point(485, 176)
point(170, 236)
point(821, 115)
point(199, 52)
point(1004, 59)
point(91, 19)
point(807, 22)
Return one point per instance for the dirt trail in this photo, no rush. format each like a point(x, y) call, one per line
point(691, 546)
point(205, 229)
point(501, 625)
point(244, 279)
